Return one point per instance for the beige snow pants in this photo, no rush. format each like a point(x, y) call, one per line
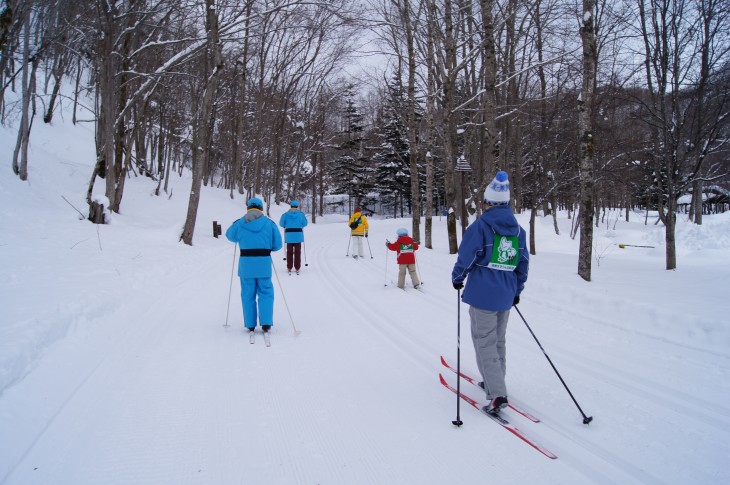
point(411, 268)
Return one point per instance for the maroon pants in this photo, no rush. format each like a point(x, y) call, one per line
point(294, 256)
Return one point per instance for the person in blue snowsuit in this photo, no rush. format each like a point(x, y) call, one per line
point(494, 256)
point(257, 236)
point(293, 221)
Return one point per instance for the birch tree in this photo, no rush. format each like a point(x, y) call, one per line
point(587, 141)
point(20, 167)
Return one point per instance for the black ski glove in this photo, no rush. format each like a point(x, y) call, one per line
point(459, 285)
point(366, 234)
point(516, 300)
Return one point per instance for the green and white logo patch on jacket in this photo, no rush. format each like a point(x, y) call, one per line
point(505, 253)
point(406, 248)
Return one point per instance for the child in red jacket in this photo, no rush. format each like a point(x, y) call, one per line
point(406, 248)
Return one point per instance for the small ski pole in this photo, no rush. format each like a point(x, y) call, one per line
point(586, 419)
point(458, 421)
point(348, 245)
point(418, 267)
point(385, 281)
point(370, 250)
point(230, 287)
point(304, 248)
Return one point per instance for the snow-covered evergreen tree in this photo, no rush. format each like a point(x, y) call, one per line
point(392, 178)
point(349, 172)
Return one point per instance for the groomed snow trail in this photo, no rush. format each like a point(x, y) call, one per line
point(161, 392)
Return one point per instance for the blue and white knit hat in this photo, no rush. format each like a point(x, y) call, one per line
point(497, 192)
point(402, 231)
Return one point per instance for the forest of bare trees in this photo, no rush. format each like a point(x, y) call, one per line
point(590, 106)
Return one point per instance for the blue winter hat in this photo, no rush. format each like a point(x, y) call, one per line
point(402, 231)
point(497, 192)
point(294, 203)
point(255, 203)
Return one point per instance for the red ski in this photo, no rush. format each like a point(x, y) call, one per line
point(513, 406)
point(499, 420)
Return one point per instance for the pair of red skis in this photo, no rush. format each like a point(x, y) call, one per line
point(496, 418)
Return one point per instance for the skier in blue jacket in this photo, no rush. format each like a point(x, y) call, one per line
point(257, 236)
point(494, 255)
point(293, 221)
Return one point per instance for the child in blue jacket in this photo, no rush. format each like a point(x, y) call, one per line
point(494, 255)
point(293, 221)
point(257, 236)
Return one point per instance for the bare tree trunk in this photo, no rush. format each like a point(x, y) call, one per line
point(21, 149)
point(510, 128)
point(59, 67)
point(670, 222)
point(237, 176)
point(533, 217)
point(575, 225)
point(585, 123)
point(412, 122)
point(697, 201)
point(107, 101)
point(449, 94)
point(161, 149)
point(430, 128)
point(76, 90)
point(429, 201)
point(554, 204)
point(201, 122)
point(315, 168)
point(491, 138)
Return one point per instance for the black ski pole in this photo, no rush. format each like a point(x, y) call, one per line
point(586, 419)
point(458, 421)
point(370, 250)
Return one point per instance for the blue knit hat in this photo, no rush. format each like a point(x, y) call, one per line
point(255, 203)
point(402, 231)
point(497, 192)
point(294, 203)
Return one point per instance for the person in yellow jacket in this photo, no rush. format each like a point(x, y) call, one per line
point(358, 228)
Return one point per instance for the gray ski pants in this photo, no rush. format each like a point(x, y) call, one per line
point(488, 330)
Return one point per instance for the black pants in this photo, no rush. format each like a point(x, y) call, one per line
point(294, 256)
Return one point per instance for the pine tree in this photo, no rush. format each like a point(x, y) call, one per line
point(349, 172)
point(391, 156)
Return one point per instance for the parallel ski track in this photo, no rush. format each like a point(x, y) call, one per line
point(427, 359)
point(338, 287)
point(705, 412)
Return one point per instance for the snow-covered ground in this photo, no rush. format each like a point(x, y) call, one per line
point(115, 366)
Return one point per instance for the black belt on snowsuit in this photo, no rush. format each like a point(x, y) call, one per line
point(293, 229)
point(255, 252)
